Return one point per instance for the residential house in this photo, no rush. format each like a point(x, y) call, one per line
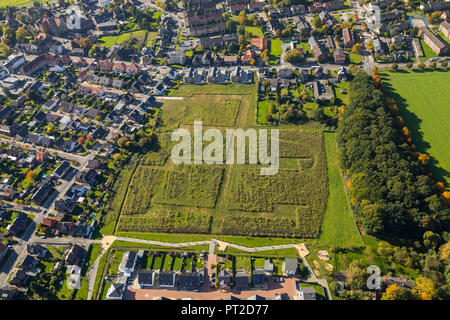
point(177, 57)
point(439, 46)
point(307, 293)
point(316, 49)
point(88, 176)
point(290, 266)
point(189, 281)
point(128, 264)
point(146, 279)
point(166, 279)
point(62, 169)
point(259, 45)
point(76, 256)
point(19, 279)
point(224, 279)
point(242, 280)
point(115, 291)
point(444, 27)
point(41, 193)
point(18, 225)
point(259, 279)
point(29, 263)
point(286, 73)
point(339, 56)
point(268, 267)
point(347, 35)
point(248, 57)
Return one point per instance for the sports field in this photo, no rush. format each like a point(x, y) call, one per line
point(424, 102)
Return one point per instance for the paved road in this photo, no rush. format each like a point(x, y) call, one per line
point(29, 146)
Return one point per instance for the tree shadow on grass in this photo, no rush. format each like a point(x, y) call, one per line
point(414, 125)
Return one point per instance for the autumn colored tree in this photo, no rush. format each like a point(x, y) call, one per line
point(394, 292)
point(356, 48)
point(116, 156)
point(432, 64)
point(444, 251)
point(242, 18)
point(81, 140)
point(31, 175)
point(421, 66)
point(446, 197)
point(424, 288)
point(423, 158)
point(375, 70)
point(406, 131)
point(440, 186)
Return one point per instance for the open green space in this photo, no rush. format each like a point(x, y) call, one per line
point(275, 50)
point(213, 110)
point(423, 99)
point(256, 31)
point(109, 41)
point(234, 203)
point(354, 58)
point(20, 3)
point(338, 226)
point(263, 110)
point(427, 51)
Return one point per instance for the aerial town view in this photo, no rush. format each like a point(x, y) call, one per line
point(224, 150)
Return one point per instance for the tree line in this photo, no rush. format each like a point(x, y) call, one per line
point(390, 187)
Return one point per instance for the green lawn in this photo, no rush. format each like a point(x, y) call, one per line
point(258, 263)
point(109, 41)
point(151, 38)
point(177, 263)
point(167, 263)
point(427, 51)
point(157, 262)
point(242, 263)
point(187, 264)
point(423, 99)
point(275, 50)
point(443, 36)
point(354, 58)
point(20, 3)
point(263, 109)
point(256, 31)
point(277, 266)
point(338, 226)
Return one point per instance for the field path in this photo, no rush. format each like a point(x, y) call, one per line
point(93, 271)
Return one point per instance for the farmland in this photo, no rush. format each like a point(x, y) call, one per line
point(423, 99)
point(221, 199)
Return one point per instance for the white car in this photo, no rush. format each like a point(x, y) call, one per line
point(42, 237)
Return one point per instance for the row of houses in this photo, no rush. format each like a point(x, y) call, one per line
point(217, 75)
point(439, 46)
